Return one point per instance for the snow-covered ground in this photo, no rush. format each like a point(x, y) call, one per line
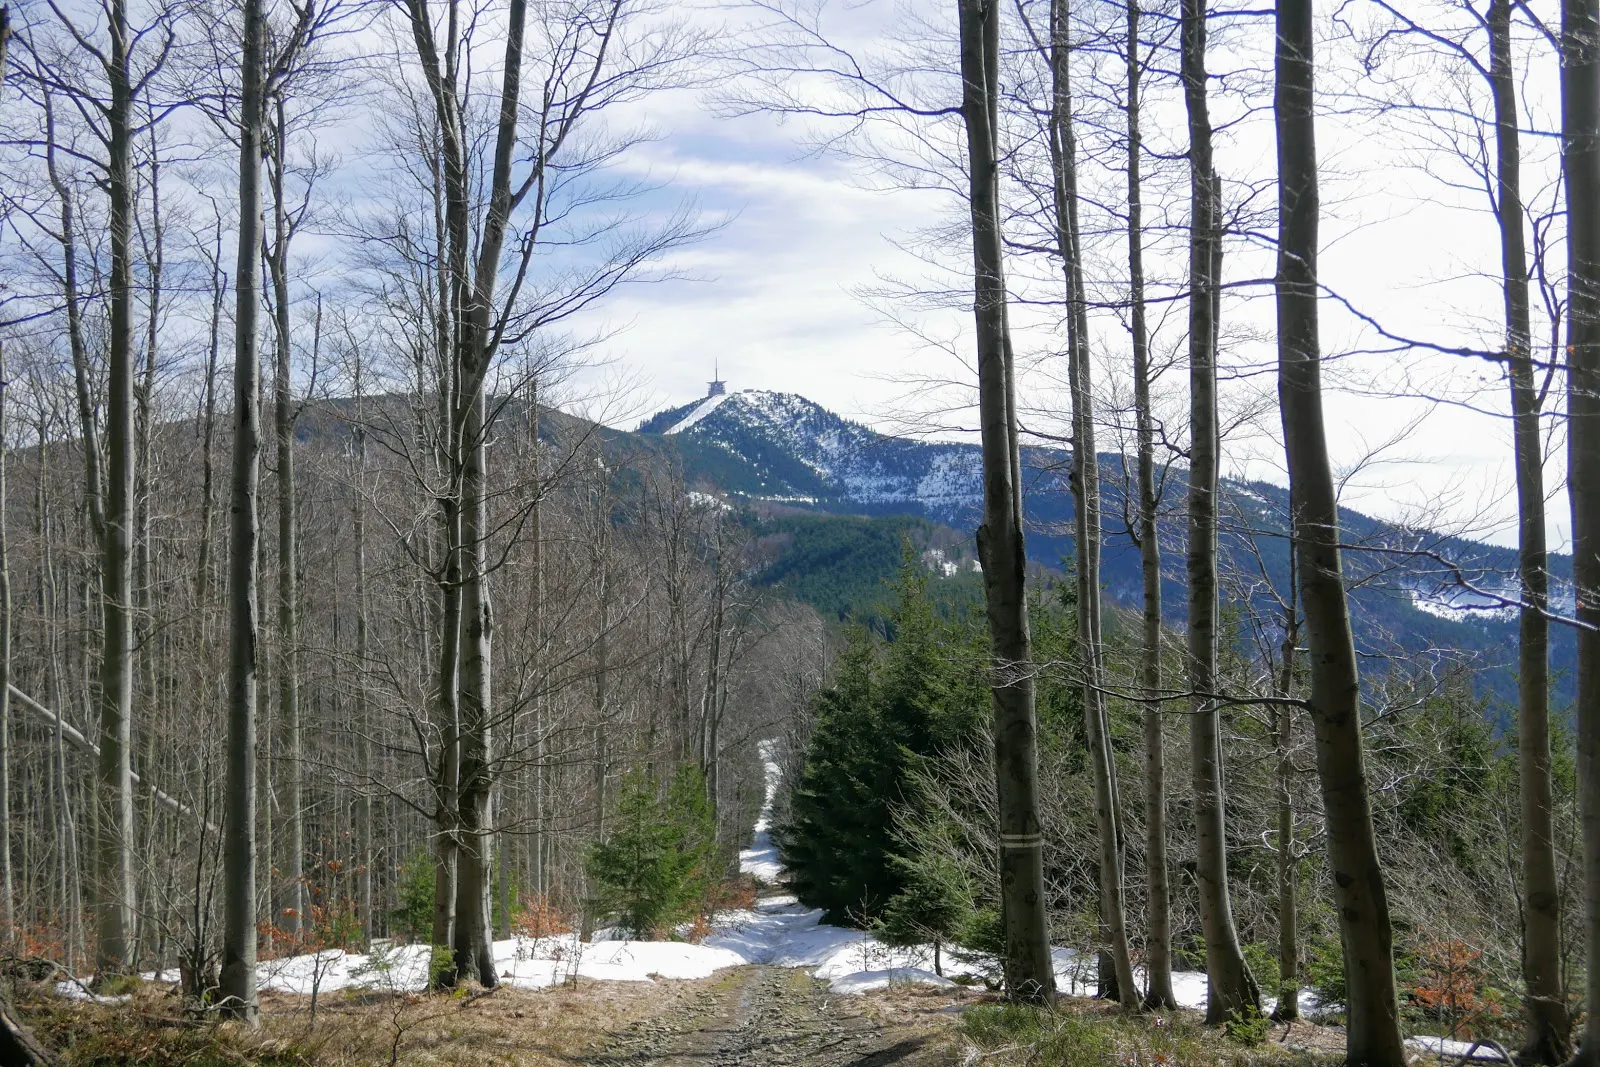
point(778, 931)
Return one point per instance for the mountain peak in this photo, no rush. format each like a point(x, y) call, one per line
point(748, 406)
point(795, 449)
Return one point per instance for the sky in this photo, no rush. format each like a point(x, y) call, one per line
point(773, 299)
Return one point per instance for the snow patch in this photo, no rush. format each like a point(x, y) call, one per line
point(706, 407)
point(1445, 1048)
point(867, 981)
point(72, 989)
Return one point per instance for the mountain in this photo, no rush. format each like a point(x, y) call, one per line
point(1415, 592)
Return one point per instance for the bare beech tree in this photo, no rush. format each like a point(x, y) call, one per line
point(1372, 1011)
point(1232, 988)
point(1029, 971)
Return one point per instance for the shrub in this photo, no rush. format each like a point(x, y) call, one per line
point(1263, 961)
point(658, 863)
point(413, 919)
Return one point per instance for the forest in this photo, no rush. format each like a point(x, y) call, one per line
point(369, 694)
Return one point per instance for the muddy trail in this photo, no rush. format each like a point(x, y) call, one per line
point(782, 1017)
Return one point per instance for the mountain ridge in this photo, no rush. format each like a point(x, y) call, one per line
point(781, 448)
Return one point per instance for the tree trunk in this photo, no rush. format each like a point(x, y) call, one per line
point(288, 531)
point(364, 724)
point(1232, 988)
point(1158, 940)
point(474, 950)
point(8, 888)
point(1544, 1005)
point(1028, 971)
point(1288, 862)
point(208, 434)
point(1372, 1029)
point(18, 1046)
point(602, 638)
point(1580, 142)
point(238, 978)
point(447, 730)
point(1086, 509)
point(114, 869)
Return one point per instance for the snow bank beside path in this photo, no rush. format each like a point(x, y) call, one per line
point(525, 963)
point(777, 932)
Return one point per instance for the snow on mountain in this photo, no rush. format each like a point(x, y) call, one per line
point(798, 448)
point(707, 406)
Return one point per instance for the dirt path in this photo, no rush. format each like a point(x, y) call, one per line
point(781, 1017)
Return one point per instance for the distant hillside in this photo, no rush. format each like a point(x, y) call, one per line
point(781, 448)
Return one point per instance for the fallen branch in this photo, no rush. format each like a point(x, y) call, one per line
point(81, 742)
point(18, 1046)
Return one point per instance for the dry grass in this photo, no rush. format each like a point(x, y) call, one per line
point(1093, 1033)
point(546, 1028)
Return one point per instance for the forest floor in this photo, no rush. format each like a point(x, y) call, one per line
point(781, 1017)
point(760, 1016)
point(750, 1016)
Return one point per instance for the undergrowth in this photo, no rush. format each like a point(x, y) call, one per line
point(1069, 1037)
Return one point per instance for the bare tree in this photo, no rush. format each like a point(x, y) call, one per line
point(1028, 969)
point(1580, 143)
point(1545, 1006)
point(1158, 939)
point(1232, 988)
point(239, 855)
point(1372, 1013)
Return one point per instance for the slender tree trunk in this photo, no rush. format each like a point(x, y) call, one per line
point(1086, 508)
point(1232, 988)
point(8, 888)
point(1288, 861)
point(1580, 142)
point(602, 639)
point(208, 434)
point(1158, 942)
point(144, 487)
point(288, 530)
point(1545, 1008)
point(474, 949)
point(114, 825)
point(1029, 974)
point(537, 815)
point(364, 724)
point(447, 728)
point(239, 842)
point(1372, 1016)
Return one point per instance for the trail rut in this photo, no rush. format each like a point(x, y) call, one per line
point(781, 1017)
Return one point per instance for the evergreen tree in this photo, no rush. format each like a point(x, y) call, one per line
point(890, 706)
point(659, 861)
point(932, 908)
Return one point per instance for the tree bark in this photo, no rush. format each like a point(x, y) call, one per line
point(364, 724)
point(1283, 785)
point(8, 888)
point(1544, 1005)
point(474, 950)
point(1372, 1019)
point(238, 977)
point(114, 827)
point(288, 528)
point(1580, 142)
point(1028, 971)
point(1232, 988)
point(18, 1046)
point(1158, 940)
